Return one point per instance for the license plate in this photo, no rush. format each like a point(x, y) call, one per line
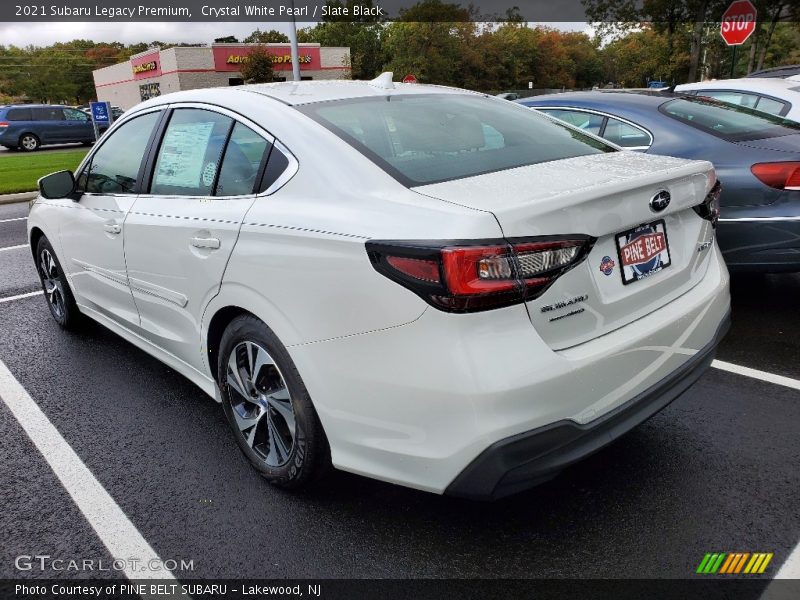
point(643, 251)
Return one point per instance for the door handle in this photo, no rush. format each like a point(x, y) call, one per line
point(112, 228)
point(207, 243)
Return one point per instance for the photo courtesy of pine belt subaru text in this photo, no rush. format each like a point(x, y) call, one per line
point(424, 285)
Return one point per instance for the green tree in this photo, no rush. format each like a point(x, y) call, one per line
point(258, 66)
point(228, 39)
point(273, 36)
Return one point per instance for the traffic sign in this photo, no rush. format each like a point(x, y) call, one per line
point(101, 112)
point(738, 22)
point(409, 79)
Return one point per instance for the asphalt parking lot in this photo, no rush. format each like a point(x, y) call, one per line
point(716, 471)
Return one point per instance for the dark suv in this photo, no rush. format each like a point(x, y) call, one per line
point(29, 126)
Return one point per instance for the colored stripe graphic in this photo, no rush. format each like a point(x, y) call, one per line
point(729, 563)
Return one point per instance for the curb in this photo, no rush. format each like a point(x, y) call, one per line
point(14, 198)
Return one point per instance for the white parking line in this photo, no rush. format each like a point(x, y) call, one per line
point(113, 528)
point(756, 374)
point(790, 569)
point(12, 220)
point(21, 296)
point(13, 247)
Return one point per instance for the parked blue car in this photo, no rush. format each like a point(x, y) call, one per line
point(30, 126)
point(756, 156)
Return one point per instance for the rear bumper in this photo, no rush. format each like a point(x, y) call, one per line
point(770, 244)
point(527, 459)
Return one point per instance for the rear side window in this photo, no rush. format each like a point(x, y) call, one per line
point(242, 161)
point(738, 98)
point(626, 135)
point(732, 123)
point(48, 113)
point(115, 166)
point(582, 120)
point(771, 106)
point(19, 114)
point(190, 153)
point(428, 138)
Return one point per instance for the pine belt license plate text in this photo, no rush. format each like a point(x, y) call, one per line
point(643, 251)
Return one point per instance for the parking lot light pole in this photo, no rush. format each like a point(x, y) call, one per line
point(295, 51)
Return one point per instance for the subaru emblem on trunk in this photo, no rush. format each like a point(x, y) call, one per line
point(660, 201)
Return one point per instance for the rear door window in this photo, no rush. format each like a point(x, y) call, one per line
point(48, 113)
point(72, 114)
point(190, 153)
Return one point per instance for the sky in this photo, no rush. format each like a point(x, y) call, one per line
point(44, 34)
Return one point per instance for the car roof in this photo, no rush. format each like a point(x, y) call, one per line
point(748, 84)
point(305, 92)
point(295, 93)
point(33, 106)
point(611, 98)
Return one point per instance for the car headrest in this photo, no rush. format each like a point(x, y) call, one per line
point(440, 132)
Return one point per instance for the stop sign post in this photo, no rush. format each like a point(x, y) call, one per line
point(738, 24)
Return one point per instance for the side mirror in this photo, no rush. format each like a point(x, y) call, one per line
point(60, 184)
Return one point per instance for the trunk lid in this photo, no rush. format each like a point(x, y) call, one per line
point(782, 143)
point(603, 196)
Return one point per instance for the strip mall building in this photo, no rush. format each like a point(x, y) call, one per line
point(157, 72)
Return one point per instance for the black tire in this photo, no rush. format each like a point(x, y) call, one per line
point(56, 289)
point(29, 142)
point(254, 399)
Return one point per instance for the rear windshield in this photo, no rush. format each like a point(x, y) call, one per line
point(732, 123)
point(423, 139)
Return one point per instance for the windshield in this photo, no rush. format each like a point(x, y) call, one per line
point(423, 139)
point(732, 123)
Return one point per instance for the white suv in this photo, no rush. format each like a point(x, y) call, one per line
point(424, 285)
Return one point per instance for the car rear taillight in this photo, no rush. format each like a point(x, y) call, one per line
point(780, 175)
point(709, 209)
point(465, 276)
point(3, 124)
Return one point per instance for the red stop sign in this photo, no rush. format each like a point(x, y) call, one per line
point(738, 22)
point(409, 79)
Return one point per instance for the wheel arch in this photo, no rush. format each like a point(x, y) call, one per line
point(36, 234)
point(216, 328)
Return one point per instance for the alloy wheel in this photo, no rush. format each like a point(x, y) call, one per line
point(261, 403)
point(51, 279)
point(29, 142)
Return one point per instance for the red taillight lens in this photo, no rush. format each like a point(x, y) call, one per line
point(424, 270)
point(780, 175)
point(3, 124)
point(468, 277)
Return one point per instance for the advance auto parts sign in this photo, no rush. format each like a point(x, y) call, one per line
point(146, 65)
point(229, 58)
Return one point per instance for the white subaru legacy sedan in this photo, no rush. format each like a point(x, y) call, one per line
point(424, 285)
